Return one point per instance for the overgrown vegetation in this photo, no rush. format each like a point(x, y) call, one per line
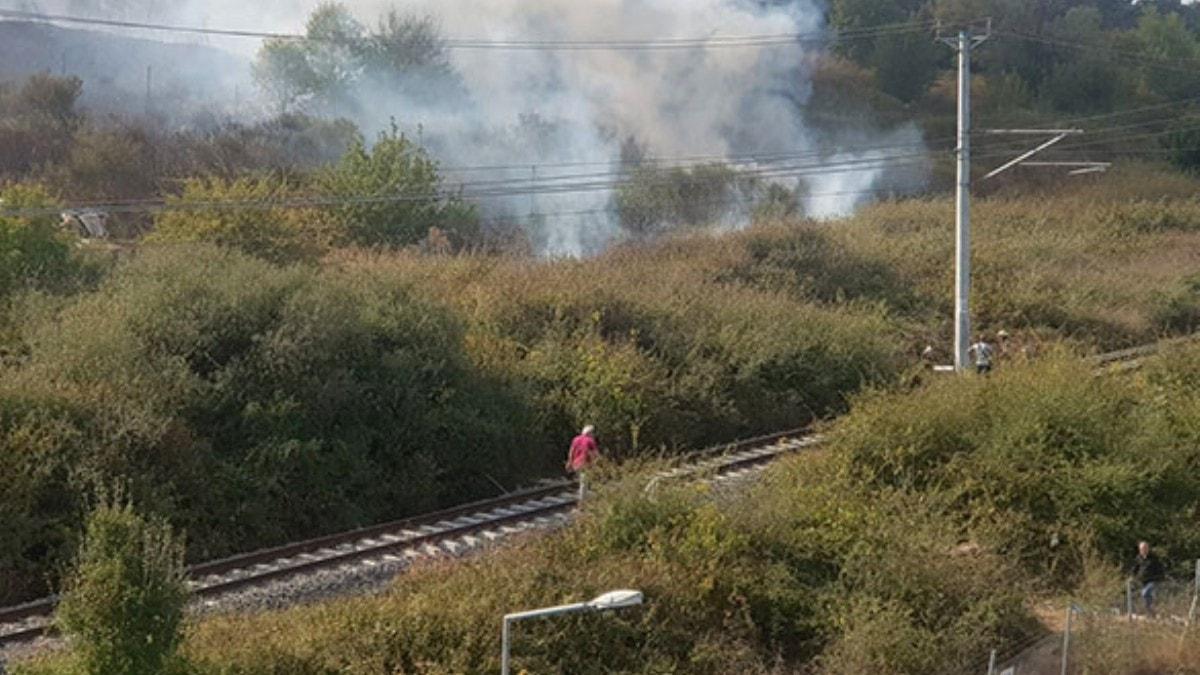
point(282, 357)
point(916, 542)
point(251, 403)
point(224, 387)
point(122, 604)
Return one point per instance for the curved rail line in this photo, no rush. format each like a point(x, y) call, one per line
point(420, 536)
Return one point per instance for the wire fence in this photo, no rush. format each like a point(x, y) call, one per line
point(1124, 635)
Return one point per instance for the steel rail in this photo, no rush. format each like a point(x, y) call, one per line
point(417, 535)
point(227, 575)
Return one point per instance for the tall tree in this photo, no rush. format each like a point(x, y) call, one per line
point(319, 71)
point(405, 56)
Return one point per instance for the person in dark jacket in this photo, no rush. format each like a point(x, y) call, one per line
point(1147, 572)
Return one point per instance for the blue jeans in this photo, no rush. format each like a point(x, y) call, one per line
point(1148, 597)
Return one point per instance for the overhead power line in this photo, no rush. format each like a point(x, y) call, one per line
point(707, 42)
point(684, 161)
point(570, 183)
point(491, 190)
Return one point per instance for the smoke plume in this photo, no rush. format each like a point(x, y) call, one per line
point(546, 115)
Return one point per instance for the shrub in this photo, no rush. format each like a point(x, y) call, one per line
point(255, 404)
point(756, 583)
point(243, 214)
point(393, 196)
point(1179, 311)
point(108, 164)
point(1042, 463)
point(122, 605)
point(653, 201)
point(34, 252)
point(39, 119)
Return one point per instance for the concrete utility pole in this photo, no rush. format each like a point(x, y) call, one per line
point(964, 43)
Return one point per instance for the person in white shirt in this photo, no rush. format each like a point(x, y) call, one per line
point(983, 353)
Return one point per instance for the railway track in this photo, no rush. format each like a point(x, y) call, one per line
point(465, 527)
point(1126, 359)
point(446, 532)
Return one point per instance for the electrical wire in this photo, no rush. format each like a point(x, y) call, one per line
point(566, 184)
point(496, 190)
point(778, 166)
point(711, 41)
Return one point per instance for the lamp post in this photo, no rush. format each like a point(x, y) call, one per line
point(609, 601)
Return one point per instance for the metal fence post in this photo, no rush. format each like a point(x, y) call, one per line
point(992, 663)
point(1067, 638)
point(1195, 596)
point(1129, 598)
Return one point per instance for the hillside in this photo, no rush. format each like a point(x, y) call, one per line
point(113, 67)
point(919, 539)
point(196, 376)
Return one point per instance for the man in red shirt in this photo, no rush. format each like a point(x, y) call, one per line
point(583, 452)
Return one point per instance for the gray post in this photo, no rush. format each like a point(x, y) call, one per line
point(962, 238)
point(1129, 598)
point(992, 663)
point(504, 648)
point(1066, 649)
point(1195, 597)
point(964, 43)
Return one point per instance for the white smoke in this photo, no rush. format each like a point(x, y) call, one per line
point(546, 109)
point(675, 103)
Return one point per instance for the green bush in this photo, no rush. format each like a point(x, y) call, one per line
point(240, 214)
point(1179, 311)
point(34, 252)
point(122, 604)
point(393, 196)
point(804, 569)
point(654, 201)
point(251, 404)
point(1043, 463)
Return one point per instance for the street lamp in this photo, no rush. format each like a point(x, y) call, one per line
point(603, 603)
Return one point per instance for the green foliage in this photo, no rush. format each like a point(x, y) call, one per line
point(108, 165)
point(405, 54)
point(1165, 37)
point(282, 144)
point(227, 393)
point(1183, 146)
point(34, 252)
point(913, 545)
point(653, 201)
point(122, 604)
point(1043, 463)
point(385, 196)
point(393, 196)
point(805, 570)
point(239, 214)
point(321, 68)
point(1179, 310)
